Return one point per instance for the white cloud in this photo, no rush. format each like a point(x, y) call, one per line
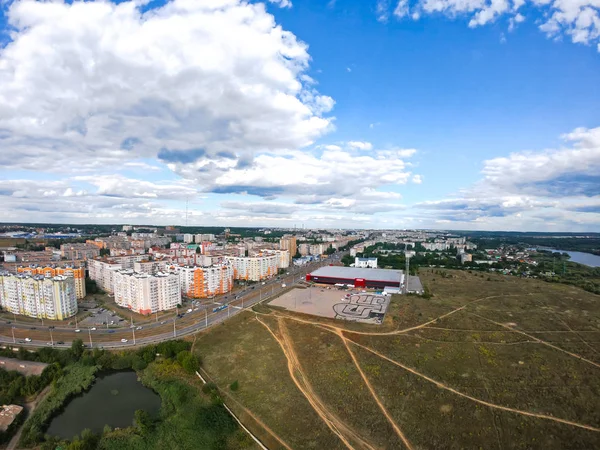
point(578, 19)
point(282, 3)
point(417, 179)
point(382, 10)
point(360, 145)
point(402, 9)
point(348, 69)
point(218, 76)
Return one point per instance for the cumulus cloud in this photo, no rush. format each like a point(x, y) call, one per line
point(553, 189)
point(113, 84)
point(578, 19)
point(360, 145)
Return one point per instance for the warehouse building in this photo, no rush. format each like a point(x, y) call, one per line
point(357, 277)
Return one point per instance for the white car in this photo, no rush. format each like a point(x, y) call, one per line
point(77, 330)
point(27, 339)
point(138, 328)
point(93, 328)
point(123, 340)
point(189, 310)
point(283, 285)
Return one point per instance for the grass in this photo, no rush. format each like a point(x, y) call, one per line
point(487, 362)
point(188, 418)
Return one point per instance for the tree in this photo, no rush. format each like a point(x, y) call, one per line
point(347, 260)
point(234, 386)
point(297, 255)
point(91, 287)
point(198, 250)
point(330, 250)
point(77, 348)
point(143, 421)
point(104, 252)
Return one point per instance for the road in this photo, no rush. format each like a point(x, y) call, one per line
point(151, 331)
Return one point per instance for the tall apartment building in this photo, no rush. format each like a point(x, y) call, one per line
point(289, 243)
point(151, 267)
point(103, 272)
point(146, 294)
point(188, 238)
point(37, 296)
point(79, 251)
point(200, 238)
point(203, 282)
point(78, 275)
point(254, 268)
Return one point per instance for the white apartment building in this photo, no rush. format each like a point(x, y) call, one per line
point(38, 296)
point(365, 262)
point(283, 255)
point(188, 238)
point(103, 273)
point(200, 238)
point(203, 282)
point(150, 267)
point(146, 294)
point(254, 268)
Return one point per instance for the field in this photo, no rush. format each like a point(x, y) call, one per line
point(487, 362)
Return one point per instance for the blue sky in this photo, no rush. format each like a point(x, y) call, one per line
point(368, 114)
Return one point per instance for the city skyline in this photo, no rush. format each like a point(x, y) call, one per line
point(339, 114)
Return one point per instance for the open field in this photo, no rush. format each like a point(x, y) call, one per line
point(487, 362)
point(25, 367)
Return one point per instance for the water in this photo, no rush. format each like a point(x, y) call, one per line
point(587, 259)
point(112, 400)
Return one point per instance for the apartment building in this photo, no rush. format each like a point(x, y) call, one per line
point(203, 282)
point(254, 268)
point(37, 296)
point(151, 267)
point(289, 243)
point(103, 272)
point(200, 238)
point(79, 251)
point(78, 275)
point(144, 293)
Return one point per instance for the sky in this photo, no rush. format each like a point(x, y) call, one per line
point(443, 114)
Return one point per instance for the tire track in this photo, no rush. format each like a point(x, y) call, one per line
point(482, 402)
point(300, 379)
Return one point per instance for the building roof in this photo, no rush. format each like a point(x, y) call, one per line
point(393, 276)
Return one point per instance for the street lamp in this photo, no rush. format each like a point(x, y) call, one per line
point(13, 334)
point(51, 338)
point(90, 333)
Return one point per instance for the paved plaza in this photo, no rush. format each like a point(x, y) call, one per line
point(353, 305)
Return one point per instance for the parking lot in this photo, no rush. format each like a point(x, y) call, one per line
point(100, 317)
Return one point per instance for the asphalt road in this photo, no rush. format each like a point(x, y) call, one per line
point(151, 331)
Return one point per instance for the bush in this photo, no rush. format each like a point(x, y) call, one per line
point(234, 386)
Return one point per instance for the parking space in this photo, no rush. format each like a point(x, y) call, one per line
point(101, 317)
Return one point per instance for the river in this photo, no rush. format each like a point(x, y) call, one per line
point(112, 400)
point(587, 259)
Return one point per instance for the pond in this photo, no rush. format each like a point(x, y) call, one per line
point(112, 400)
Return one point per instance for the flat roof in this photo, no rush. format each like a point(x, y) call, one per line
point(393, 276)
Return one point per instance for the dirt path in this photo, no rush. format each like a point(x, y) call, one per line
point(385, 412)
point(29, 407)
point(248, 412)
point(299, 378)
point(574, 355)
point(482, 402)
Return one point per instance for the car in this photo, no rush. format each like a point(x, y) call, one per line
point(49, 344)
point(111, 331)
point(138, 328)
point(77, 330)
point(60, 343)
point(93, 329)
point(124, 340)
point(189, 310)
point(33, 328)
point(263, 283)
point(27, 339)
point(163, 322)
point(8, 322)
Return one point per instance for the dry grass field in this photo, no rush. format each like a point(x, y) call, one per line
point(487, 362)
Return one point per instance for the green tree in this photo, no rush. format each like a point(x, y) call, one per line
point(347, 260)
point(143, 422)
point(77, 348)
point(234, 386)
